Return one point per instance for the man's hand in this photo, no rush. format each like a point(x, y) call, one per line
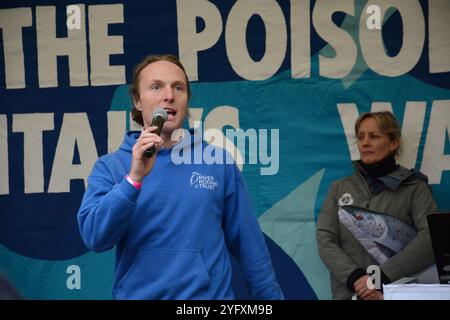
point(140, 164)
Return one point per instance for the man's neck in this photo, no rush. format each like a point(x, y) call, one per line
point(171, 139)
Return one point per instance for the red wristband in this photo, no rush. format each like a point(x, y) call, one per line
point(135, 184)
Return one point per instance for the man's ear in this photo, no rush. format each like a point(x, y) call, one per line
point(137, 103)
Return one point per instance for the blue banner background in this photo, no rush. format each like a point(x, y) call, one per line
point(39, 236)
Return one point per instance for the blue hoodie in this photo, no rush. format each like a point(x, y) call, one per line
point(172, 236)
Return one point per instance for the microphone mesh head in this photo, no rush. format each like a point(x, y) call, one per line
point(160, 112)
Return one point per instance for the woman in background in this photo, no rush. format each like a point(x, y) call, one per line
point(379, 184)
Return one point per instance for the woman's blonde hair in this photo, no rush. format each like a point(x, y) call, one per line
point(387, 124)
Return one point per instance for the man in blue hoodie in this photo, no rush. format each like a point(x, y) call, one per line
point(174, 225)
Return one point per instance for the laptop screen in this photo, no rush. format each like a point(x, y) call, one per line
point(439, 226)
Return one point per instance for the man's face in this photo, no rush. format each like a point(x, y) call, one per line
point(162, 84)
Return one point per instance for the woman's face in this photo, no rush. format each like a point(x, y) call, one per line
point(373, 145)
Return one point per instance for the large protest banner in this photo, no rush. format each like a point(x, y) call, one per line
point(293, 76)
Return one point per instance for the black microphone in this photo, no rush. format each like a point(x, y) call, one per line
point(159, 117)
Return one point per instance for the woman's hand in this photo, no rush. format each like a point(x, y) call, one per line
point(363, 292)
point(377, 295)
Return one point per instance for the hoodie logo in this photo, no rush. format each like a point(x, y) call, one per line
point(203, 182)
point(345, 200)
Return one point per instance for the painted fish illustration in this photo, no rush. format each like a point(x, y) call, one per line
point(381, 235)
